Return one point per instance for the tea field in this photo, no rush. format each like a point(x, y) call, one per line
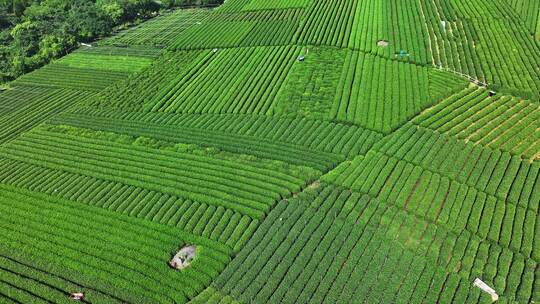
point(310, 151)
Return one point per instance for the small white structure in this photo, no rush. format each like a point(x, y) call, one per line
point(77, 296)
point(382, 43)
point(443, 24)
point(86, 44)
point(184, 257)
point(484, 287)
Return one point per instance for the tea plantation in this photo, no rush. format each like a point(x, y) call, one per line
point(310, 151)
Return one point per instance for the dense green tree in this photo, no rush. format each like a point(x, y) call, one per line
point(26, 37)
point(86, 21)
point(112, 9)
point(14, 7)
point(32, 32)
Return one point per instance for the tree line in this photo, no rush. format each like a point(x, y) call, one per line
point(32, 32)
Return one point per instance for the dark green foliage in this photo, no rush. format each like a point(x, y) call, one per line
point(45, 30)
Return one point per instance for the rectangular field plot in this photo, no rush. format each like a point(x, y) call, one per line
point(382, 94)
point(57, 75)
point(292, 153)
point(243, 80)
point(311, 85)
point(273, 27)
point(400, 24)
point(213, 35)
point(28, 106)
point(253, 28)
point(360, 25)
point(325, 23)
point(132, 92)
point(492, 171)
point(439, 198)
point(271, 133)
point(498, 122)
point(17, 98)
point(142, 51)
point(113, 63)
point(87, 70)
point(246, 186)
point(160, 31)
point(489, 44)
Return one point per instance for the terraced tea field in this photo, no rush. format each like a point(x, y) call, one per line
point(285, 151)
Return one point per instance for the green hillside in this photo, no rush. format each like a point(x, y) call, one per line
point(310, 151)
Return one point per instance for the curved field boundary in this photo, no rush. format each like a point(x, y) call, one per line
point(329, 137)
point(241, 144)
point(250, 189)
point(215, 223)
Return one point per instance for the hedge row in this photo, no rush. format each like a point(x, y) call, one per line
point(488, 170)
point(498, 122)
point(215, 223)
point(438, 199)
point(329, 137)
point(340, 246)
point(29, 106)
point(248, 188)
